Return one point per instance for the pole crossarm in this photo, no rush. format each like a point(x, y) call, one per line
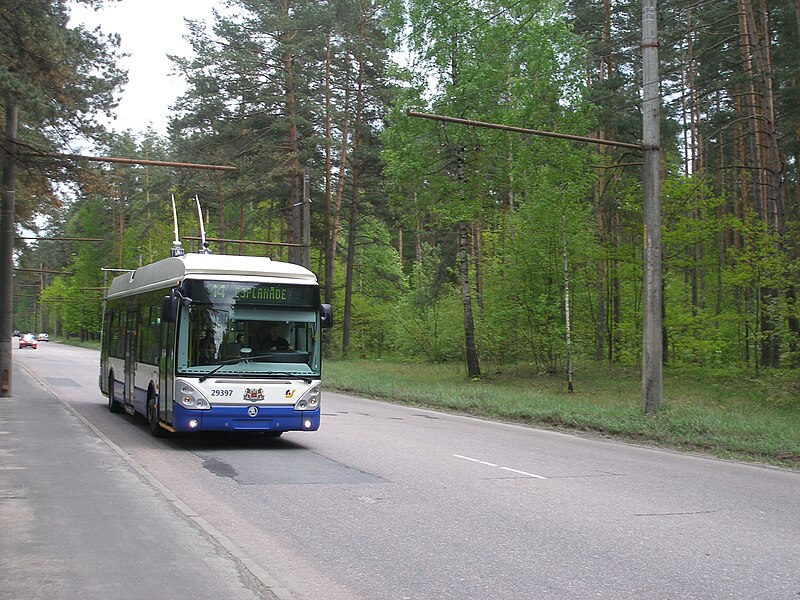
point(45, 271)
point(58, 300)
point(59, 239)
point(129, 161)
point(652, 354)
point(561, 136)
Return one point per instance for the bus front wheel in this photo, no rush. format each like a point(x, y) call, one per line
point(152, 415)
point(113, 405)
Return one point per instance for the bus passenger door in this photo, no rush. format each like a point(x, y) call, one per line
point(166, 371)
point(132, 330)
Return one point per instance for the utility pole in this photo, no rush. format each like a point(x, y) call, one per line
point(652, 350)
point(7, 231)
point(652, 319)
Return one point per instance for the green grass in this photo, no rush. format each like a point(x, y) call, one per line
point(91, 344)
point(728, 415)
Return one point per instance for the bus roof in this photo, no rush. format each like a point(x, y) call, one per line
point(170, 272)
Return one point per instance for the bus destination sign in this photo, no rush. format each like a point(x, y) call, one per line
point(236, 292)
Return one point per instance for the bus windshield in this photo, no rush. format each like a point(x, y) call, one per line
point(249, 330)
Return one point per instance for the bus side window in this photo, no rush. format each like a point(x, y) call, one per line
point(111, 342)
point(121, 337)
point(148, 342)
point(117, 336)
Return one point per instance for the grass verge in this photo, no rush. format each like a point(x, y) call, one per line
point(727, 415)
point(91, 344)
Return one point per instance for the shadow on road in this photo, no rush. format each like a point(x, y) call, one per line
point(231, 440)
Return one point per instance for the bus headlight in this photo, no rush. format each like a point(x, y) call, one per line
point(188, 397)
point(311, 399)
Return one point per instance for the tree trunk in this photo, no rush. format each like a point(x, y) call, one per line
point(330, 255)
point(601, 329)
point(121, 225)
point(418, 235)
point(601, 230)
point(567, 324)
point(326, 229)
point(241, 225)
point(351, 251)
point(473, 367)
point(293, 201)
point(400, 246)
point(616, 295)
point(353, 225)
point(477, 251)
point(221, 212)
point(768, 193)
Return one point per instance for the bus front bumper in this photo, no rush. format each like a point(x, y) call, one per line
point(245, 418)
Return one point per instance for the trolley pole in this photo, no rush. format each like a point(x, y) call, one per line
point(7, 232)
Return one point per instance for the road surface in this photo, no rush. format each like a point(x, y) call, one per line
point(393, 502)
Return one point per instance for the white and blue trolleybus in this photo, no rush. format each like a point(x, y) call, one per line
point(203, 342)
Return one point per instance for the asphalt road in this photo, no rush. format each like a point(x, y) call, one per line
point(392, 502)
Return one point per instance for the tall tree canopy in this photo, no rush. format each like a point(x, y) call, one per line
point(54, 80)
point(458, 243)
point(60, 78)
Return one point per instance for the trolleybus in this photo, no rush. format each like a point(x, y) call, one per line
point(201, 342)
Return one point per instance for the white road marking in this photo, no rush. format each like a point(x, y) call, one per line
point(475, 460)
point(488, 464)
point(523, 473)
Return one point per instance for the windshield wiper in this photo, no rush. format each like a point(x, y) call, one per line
point(233, 361)
point(224, 363)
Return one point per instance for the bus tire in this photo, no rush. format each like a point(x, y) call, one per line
point(113, 405)
point(152, 415)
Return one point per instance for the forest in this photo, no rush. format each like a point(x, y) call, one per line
point(434, 241)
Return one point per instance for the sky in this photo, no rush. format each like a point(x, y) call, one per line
point(150, 29)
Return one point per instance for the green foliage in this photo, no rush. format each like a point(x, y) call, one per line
point(428, 320)
point(60, 78)
point(730, 274)
point(76, 309)
point(514, 66)
point(523, 316)
point(378, 282)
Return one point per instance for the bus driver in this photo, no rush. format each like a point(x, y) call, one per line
point(274, 341)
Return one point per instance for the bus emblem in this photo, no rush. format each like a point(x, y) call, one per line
point(254, 394)
point(252, 411)
point(289, 393)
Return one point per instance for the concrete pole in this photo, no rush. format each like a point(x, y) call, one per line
point(652, 350)
point(7, 231)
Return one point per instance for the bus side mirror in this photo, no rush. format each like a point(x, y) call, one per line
point(326, 316)
point(169, 307)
